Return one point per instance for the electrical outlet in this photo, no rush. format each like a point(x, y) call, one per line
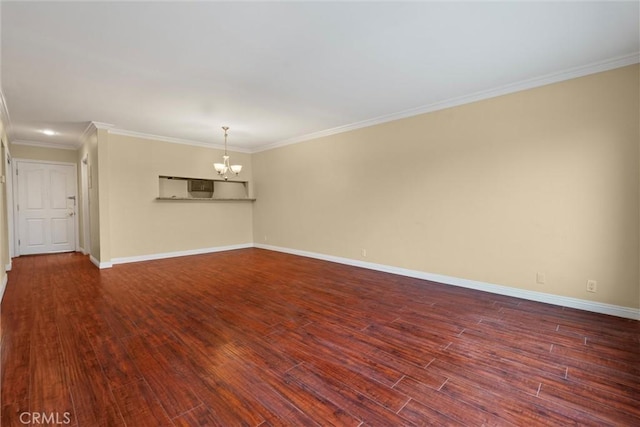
point(592, 286)
point(364, 253)
point(541, 278)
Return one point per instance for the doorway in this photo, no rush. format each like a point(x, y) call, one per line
point(46, 207)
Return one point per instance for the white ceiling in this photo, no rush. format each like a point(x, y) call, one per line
point(282, 72)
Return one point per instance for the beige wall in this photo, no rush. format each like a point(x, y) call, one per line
point(544, 180)
point(101, 212)
point(4, 231)
point(89, 149)
point(5, 171)
point(19, 151)
point(141, 225)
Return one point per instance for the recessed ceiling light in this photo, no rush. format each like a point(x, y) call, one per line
point(48, 132)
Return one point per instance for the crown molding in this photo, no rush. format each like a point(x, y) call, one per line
point(41, 144)
point(123, 132)
point(88, 130)
point(4, 115)
point(102, 125)
point(112, 129)
point(92, 127)
point(571, 73)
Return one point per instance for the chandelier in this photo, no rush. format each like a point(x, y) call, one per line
point(224, 167)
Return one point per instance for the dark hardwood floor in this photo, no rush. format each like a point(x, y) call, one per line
point(258, 338)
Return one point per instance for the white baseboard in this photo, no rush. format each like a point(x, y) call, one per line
point(150, 257)
point(8, 267)
point(3, 286)
point(597, 307)
point(100, 265)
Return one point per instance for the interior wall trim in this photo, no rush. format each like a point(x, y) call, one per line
point(3, 286)
point(41, 144)
point(596, 307)
point(7, 267)
point(134, 134)
point(150, 257)
point(100, 265)
point(568, 74)
point(4, 115)
point(580, 304)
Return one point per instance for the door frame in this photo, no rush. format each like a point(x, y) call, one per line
point(84, 188)
point(16, 224)
point(10, 211)
point(8, 165)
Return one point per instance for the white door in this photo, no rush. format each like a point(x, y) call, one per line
point(46, 207)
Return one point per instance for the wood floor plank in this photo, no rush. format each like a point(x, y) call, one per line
point(511, 350)
point(422, 415)
point(528, 338)
point(15, 353)
point(359, 355)
point(93, 401)
point(220, 397)
point(10, 413)
point(170, 388)
point(380, 393)
point(346, 365)
point(511, 370)
point(408, 352)
point(490, 376)
point(313, 402)
point(117, 364)
point(520, 409)
point(359, 405)
point(49, 386)
point(389, 361)
point(616, 384)
point(579, 357)
point(197, 417)
point(262, 353)
point(139, 406)
point(624, 410)
point(461, 411)
point(260, 338)
point(229, 403)
point(274, 407)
